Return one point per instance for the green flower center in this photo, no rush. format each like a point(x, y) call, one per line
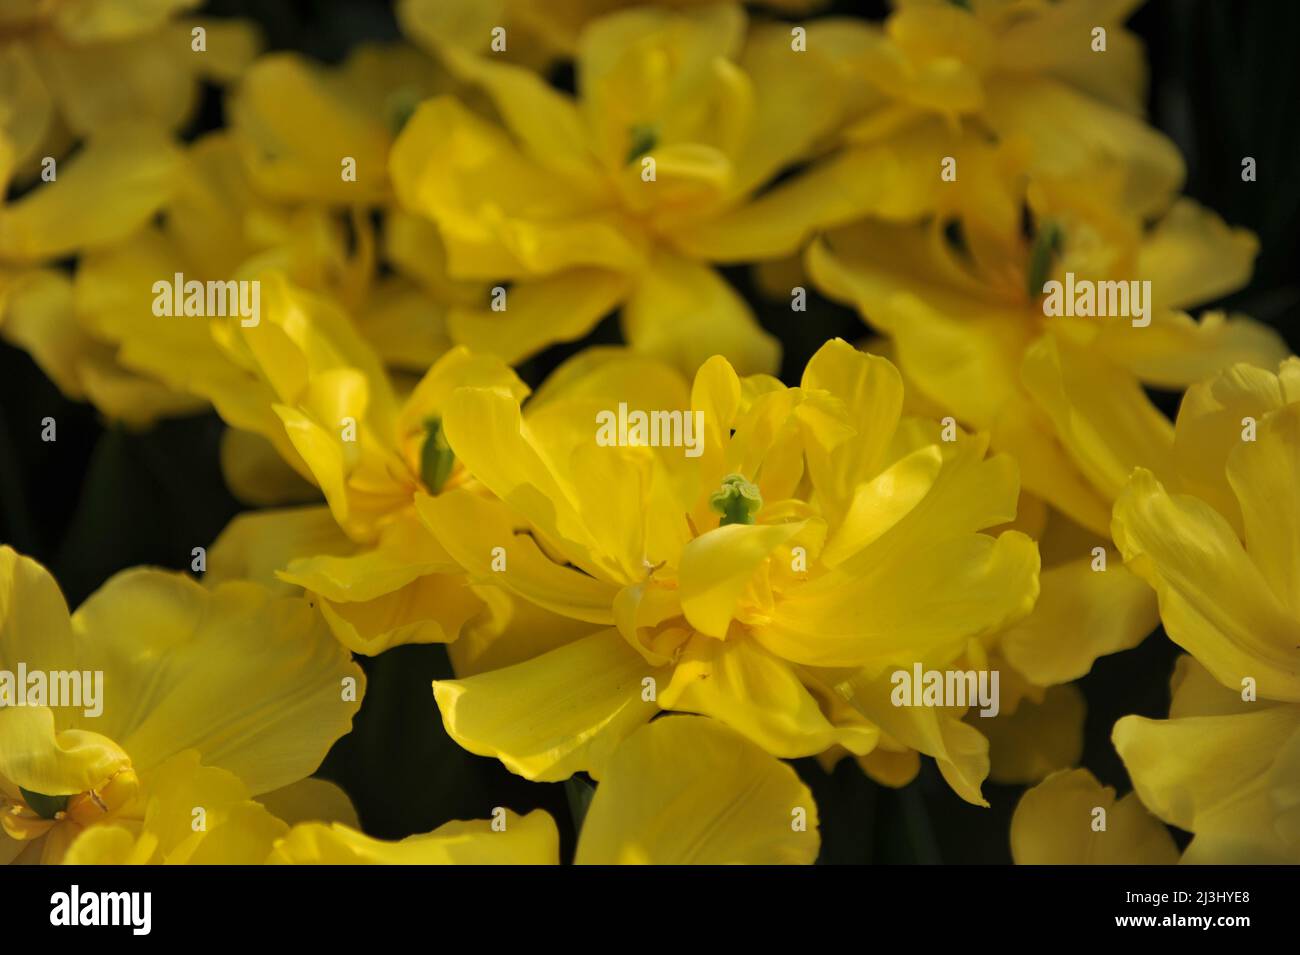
point(738, 501)
point(1047, 245)
point(436, 457)
point(644, 138)
point(401, 104)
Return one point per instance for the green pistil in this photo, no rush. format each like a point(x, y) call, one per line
point(737, 502)
point(644, 138)
point(399, 108)
point(436, 458)
point(47, 807)
point(1047, 244)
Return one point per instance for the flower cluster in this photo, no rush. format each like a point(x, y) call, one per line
point(659, 568)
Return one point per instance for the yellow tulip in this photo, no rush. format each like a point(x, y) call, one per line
point(185, 676)
point(586, 203)
point(860, 551)
point(534, 31)
point(1219, 541)
point(80, 67)
point(1063, 394)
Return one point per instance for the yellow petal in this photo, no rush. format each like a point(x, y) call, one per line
point(485, 430)
point(779, 222)
point(311, 800)
point(912, 606)
point(1054, 825)
point(42, 319)
point(107, 191)
point(961, 351)
point(1265, 476)
point(255, 545)
point(759, 696)
point(795, 103)
point(1192, 256)
point(545, 121)
point(510, 631)
point(105, 844)
point(1214, 601)
point(623, 82)
point(458, 368)
point(889, 768)
point(716, 568)
point(959, 749)
point(42, 759)
point(34, 625)
point(554, 715)
point(1211, 420)
point(1214, 776)
point(684, 313)
point(256, 473)
point(406, 325)
point(430, 609)
point(479, 534)
point(1071, 133)
point(1045, 42)
point(879, 504)
point(236, 830)
point(243, 837)
point(188, 668)
point(147, 78)
point(404, 552)
point(25, 106)
point(872, 392)
point(1037, 739)
point(1082, 614)
point(295, 123)
point(558, 308)
point(500, 214)
point(525, 840)
point(1175, 351)
point(686, 790)
point(101, 21)
point(1102, 417)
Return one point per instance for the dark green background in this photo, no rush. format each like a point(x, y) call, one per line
point(1224, 85)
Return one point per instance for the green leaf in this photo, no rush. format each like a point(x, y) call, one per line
point(47, 807)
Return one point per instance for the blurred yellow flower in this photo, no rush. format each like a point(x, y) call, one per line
point(580, 204)
point(534, 31)
point(249, 683)
point(308, 384)
point(965, 315)
point(266, 194)
point(71, 68)
point(117, 182)
point(975, 89)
